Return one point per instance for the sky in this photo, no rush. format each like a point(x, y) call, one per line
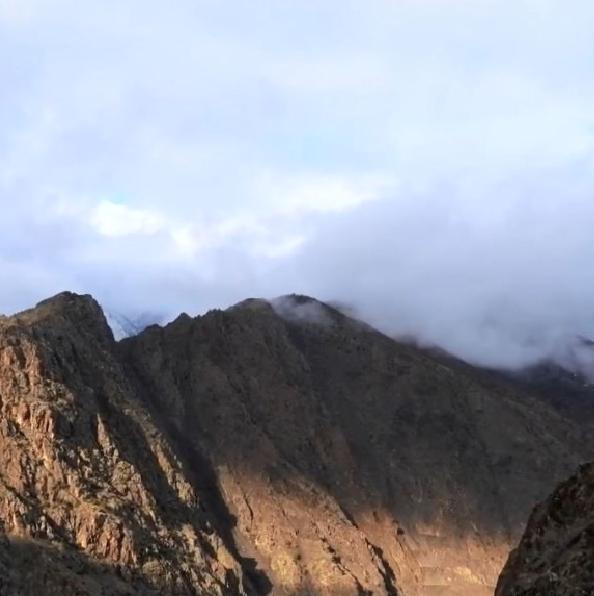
point(428, 162)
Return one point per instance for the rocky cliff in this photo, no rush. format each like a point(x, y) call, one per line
point(556, 554)
point(277, 447)
point(92, 497)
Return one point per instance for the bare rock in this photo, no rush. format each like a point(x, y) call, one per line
point(275, 448)
point(556, 554)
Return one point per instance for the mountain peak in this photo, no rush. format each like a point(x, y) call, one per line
point(68, 304)
point(67, 312)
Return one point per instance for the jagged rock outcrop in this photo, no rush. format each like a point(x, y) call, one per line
point(84, 468)
point(277, 447)
point(556, 554)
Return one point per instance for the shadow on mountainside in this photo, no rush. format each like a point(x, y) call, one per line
point(318, 447)
point(33, 567)
point(199, 470)
point(335, 408)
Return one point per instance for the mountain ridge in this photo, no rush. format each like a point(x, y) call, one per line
point(265, 450)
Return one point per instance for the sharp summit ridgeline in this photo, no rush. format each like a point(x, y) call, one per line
point(273, 448)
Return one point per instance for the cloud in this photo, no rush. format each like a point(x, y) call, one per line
point(301, 310)
point(295, 195)
point(430, 162)
point(495, 281)
point(112, 219)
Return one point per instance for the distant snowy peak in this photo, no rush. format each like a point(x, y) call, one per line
point(123, 326)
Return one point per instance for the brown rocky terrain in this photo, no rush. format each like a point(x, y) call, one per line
point(556, 554)
point(92, 498)
point(276, 448)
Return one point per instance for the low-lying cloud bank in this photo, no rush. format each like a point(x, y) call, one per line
point(504, 280)
point(429, 163)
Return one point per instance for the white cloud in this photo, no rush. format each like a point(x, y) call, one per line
point(319, 193)
point(432, 161)
point(113, 219)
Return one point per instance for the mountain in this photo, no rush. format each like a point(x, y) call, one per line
point(556, 554)
point(577, 355)
point(566, 389)
point(92, 498)
point(277, 447)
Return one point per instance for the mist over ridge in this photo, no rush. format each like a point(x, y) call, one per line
point(428, 163)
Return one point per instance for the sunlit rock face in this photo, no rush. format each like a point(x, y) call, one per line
point(556, 554)
point(89, 484)
point(278, 447)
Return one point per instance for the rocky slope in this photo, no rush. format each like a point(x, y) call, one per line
point(569, 392)
point(272, 448)
point(92, 498)
point(556, 554)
